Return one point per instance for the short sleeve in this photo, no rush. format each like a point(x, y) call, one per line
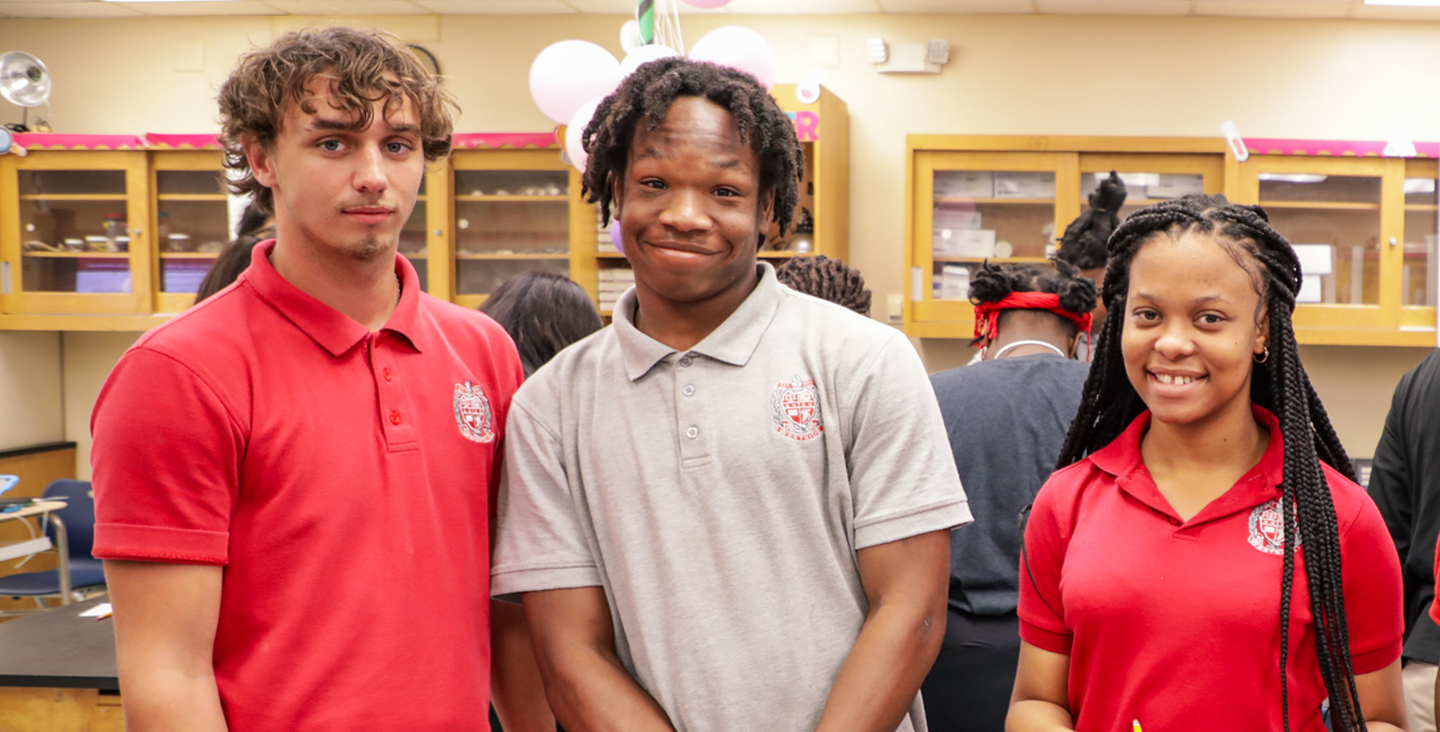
point(165, 464)
point(541, 543)
point(1042, 613)
point(902, 472)
point(1374, 594)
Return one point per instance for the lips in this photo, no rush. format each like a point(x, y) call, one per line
point(1173, 384)
point(369, 214)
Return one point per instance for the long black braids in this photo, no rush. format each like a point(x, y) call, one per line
point(648, 93)
point(1109, 404)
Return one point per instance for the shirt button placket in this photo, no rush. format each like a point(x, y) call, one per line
point(689, 412)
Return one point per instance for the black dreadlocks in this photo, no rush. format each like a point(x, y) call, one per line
point(827, 279)
point(994, 282)
point(651, 90)
point(1109, 404)
point(1083, 244)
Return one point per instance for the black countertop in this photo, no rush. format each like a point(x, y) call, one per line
point(60, 649)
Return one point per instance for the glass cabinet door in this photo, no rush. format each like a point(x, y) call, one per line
point(1417, 281)
point(192, 223)
point(75, 239)
point(509, 219)
point(1151, 178)
point(974, 207)
point(414, 241)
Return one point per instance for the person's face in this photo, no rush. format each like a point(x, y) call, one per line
point(1097, 275)
point(1190, 333)
point(690, 206)
point(339, 188)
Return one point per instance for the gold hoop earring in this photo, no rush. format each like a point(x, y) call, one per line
point(1265, 357)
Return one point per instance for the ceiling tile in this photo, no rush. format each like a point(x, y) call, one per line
point(604, 7)
point(954, 7)
point(804, 7)
point(1393, 12)
point(246, 7)
point(348, 8)
point(496, 7)
point(1259, 9)
point(1113, 7)
point(65, 10)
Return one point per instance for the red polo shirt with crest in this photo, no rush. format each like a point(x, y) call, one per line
point(343, 478)
point(1176, 623)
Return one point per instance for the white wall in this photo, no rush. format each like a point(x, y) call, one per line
point(1008, 75)
point(31, 401)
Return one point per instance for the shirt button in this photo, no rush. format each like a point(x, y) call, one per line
point(388, 374)
point(692, 433)
point(394, 418)
point(689, 390)
point(685, 362)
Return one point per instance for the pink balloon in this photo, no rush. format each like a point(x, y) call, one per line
point(615, 235)
point(739, 48)
point(707, 4)
point(568, 74)
point(644, 55)
point(574, 132)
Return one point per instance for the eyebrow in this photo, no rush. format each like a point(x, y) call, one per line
point(1207, 298)
point(340, 125)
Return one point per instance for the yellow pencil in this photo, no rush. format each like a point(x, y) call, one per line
point(1135, 725)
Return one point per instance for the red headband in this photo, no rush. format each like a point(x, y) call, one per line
point(987, 314)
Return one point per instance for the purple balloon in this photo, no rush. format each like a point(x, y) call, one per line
point(615, 235)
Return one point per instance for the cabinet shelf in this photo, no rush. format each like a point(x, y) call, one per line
point(511, 199)
point(1321, 205)
point(995, 201)
point(74, 197)
point(79, 255)
point(216, 197)
point(512, 256)
point(189, 255)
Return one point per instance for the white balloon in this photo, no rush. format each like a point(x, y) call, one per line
point(630, 38)
point(644, 55)
point(576, 130)
point(567, 74)
point(739, 48)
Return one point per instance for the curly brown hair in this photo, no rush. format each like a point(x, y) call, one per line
point(363, 67)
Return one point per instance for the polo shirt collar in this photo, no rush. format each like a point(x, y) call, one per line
point(734, 342)
point(1121, 459)
point(333, 331)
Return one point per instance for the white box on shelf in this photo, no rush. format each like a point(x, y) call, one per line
point(965, 184)
point(974, 243)
point(1175, 185)
point(1024, 185)
point(955, 282)
point(953, 218)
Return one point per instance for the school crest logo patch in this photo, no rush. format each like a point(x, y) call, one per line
point(1267, 529)
point(472, 413)
point(795, 405)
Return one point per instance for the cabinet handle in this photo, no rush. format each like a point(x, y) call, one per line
point(136, 232)
point(437, 232)
point(1394, 241)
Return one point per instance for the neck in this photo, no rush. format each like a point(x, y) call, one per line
point(682, 325)
point(365, 291)
point(1230, 439)
point(1052, 339)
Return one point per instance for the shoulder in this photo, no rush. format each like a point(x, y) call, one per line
point(214, 331)
point(1353, 505)
point(1064, 491)
point(574, 371)
point(454, 318)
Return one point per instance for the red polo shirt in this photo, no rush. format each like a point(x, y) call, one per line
point(343, 479)
point(1176, 623)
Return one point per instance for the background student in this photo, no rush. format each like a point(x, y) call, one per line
point(1183, 568)
point(1006, 418)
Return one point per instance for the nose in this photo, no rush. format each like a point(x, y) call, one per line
point(370, 170)
point(685, 211)
point(1175, 342)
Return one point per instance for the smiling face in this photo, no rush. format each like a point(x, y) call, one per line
point(691, 209)
point(1191, 331)
point(339, 189)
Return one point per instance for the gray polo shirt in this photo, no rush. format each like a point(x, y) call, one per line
point(720, 496)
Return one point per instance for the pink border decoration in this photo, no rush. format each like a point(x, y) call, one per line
point(183, 142)
point(1331, 148)
point(497, 140)
point(61, 141)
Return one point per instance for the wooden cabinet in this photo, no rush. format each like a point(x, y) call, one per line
point(1008, 199)
point(1365, 229)
point(116, 232)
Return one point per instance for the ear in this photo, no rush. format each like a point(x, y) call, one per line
point(1074, 346)
point(767, 210)
point(1262, 334)
point(617, 193)
point(262, 163)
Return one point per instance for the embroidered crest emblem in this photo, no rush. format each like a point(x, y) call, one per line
point(795, 405)
point(1267, 529)
point(472, 413)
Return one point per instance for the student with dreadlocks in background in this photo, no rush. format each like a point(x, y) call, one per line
point(1083, 244)
point(1006, 418)
point(731, 509)
point(827, 279)
point(1163, 584)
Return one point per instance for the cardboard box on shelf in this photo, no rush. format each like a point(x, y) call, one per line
point(1024, 185)
point(964, 184)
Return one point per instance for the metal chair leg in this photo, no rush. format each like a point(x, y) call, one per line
point(63, 545)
